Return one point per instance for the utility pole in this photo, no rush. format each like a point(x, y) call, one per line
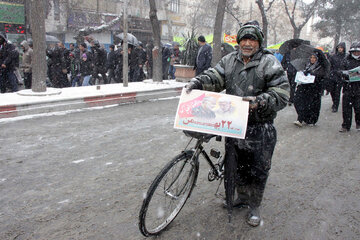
point(37, 23)
point(125, 47)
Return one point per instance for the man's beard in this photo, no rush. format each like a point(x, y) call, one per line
point(251, 51)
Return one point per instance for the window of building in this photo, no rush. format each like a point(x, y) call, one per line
point(174, 6)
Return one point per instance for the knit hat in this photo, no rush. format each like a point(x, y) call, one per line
point(250, 30)
point(84, 55)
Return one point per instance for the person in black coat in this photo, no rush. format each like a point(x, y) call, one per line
point(99, 56)
point(85, 64)
point(335, 82)
point(9, 58)
point(307, 97)
point(149, 60)
point(134, 63)
point(351, 90)
point(119, 64)
point(291, 73)
point(204, 56)
point(111, 63)
point(57, 67)
point(166, 54)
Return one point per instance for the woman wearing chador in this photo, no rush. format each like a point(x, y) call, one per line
point(307, 99)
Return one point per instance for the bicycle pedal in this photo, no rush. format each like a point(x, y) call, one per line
point(215, 153)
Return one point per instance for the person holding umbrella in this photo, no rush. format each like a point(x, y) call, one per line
point(256, 75)
point(307, 98)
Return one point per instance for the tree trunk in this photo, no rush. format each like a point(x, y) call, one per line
point(297, 32)
point(39, 69)
point(157, 51)
point(265, 23)
point(218, 32)
point(125, 48)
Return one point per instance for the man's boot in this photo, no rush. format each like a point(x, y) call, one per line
point(253, 218)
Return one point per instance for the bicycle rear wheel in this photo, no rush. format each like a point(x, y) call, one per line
point(168, 193)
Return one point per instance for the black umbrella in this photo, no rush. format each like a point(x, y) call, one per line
point(51, 39)
point(300, 56)
point(131, 39)
point(288, 45)
point(48, 39)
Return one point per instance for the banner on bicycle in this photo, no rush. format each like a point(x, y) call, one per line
point(212, 113)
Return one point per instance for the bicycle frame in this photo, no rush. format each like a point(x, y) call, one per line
point(199, 149)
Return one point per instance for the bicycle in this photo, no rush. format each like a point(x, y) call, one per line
point(172, 187)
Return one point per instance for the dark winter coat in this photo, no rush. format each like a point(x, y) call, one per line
point(9, 56)
point(351, 87)
point(86, 66)
point(307, 98)
point(262, 77)
point(166, 53)
point(142, 55)
point(111, 60)
point(203, 59)
point(99, 56)
point(336, 63)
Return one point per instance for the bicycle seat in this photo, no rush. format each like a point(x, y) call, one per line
point(201, 136)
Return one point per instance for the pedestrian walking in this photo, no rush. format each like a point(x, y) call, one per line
point(174, 59)
point(166, 53)
point(99, 56)
point(307, 98)
point(203, 57)
point(9, 58)
point(75, 74)
point(26, 65)
point(149, 60)
point(335, 82)
point(256, 75)
point(351, 90)
point(111, 63)
point(291, 73)
point(58, 66)
point(85, 65)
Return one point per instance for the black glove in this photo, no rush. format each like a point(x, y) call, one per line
point(193, 84)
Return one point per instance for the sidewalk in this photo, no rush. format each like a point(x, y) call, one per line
point(16, 104)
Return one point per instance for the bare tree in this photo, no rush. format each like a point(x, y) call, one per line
point(37, 22)
point(157, 51)
point(265, 23)
point(200, 17)
point(307, 13)
point(218, 31)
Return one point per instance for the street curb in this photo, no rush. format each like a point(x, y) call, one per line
point(10, 111)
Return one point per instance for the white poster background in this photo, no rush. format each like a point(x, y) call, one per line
point(302, 79)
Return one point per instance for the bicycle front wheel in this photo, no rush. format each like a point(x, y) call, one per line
point(168, 193)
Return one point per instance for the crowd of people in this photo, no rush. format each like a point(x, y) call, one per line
point(82, 65)
point(330, 77)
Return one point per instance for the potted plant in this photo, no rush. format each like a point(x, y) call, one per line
point(185, 71)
